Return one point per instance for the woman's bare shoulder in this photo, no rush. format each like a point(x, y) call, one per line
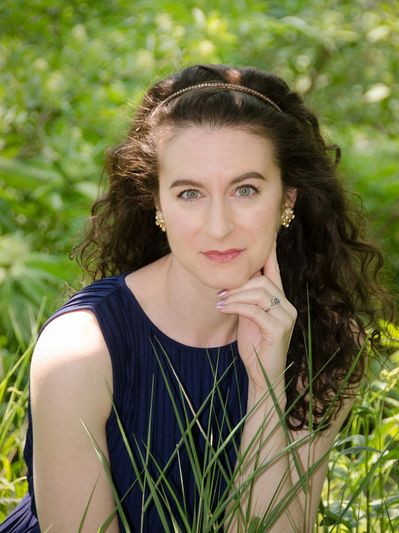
point(72, 335)
point(71, 357)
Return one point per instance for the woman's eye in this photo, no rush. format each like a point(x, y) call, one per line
point(247, 190)
point(190, 194)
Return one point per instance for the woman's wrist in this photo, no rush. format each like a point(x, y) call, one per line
point(267, 397)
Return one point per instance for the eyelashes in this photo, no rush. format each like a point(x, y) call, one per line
point(253, 190)
point(189, 195)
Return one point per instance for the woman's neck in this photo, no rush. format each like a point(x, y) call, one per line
point(194, 307)
point(180, 306)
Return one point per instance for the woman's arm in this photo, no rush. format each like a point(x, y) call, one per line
point(265, 323)
point(70, 368)
point(281, 477)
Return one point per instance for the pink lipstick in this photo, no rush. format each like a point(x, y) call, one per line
point(222, 256)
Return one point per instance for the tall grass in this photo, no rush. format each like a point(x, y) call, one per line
point(360, 494)
point(13, 405)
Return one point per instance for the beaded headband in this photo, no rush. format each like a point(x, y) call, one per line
point(220, 85)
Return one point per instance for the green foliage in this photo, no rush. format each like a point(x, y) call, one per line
point(13, 404)
point(361, 491)
point(70, 75)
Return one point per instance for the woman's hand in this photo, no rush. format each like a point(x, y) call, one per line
point(262, 334)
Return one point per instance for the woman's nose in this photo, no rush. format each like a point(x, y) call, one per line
point(219, 219)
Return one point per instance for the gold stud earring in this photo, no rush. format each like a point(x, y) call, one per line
point(159, 220)
point(287, 216)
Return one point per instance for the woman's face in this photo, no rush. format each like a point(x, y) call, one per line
point(221, 195)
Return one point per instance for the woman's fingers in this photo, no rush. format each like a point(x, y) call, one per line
point(274, 326)
point(277, 319)
point(259, 291)
point(271, 267)
point(260, 297)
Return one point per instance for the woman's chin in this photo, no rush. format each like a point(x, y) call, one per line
point(229, 282)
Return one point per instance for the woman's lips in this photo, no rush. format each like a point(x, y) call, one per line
point(222, 256)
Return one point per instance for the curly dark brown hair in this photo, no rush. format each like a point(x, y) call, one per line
point(327, 268)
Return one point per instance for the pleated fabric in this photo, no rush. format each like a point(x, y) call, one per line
point(160, 388)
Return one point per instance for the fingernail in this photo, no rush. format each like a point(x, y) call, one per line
point(220, 305)
point(223, 292)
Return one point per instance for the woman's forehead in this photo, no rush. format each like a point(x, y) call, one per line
point(198, 152)
point(223, 141)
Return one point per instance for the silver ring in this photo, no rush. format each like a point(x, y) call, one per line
point(274, 302)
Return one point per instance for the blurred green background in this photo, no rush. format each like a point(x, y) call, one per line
point(70, 76)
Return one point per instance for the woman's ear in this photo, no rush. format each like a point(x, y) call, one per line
point(156, 202)
point(290, 197)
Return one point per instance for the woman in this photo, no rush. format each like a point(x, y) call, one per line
point(224, 228)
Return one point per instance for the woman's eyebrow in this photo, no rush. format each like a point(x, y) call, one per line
point(238, 179)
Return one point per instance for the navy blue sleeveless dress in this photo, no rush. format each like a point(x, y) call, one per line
point(158, 384)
